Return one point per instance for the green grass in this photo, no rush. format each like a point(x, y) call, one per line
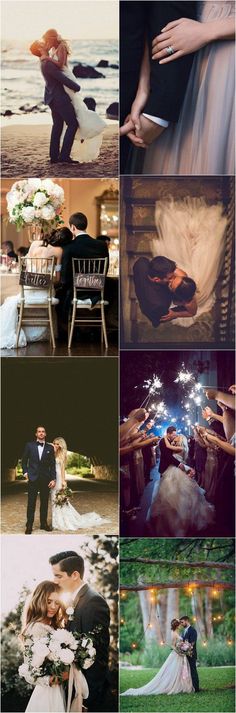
point(216, 695)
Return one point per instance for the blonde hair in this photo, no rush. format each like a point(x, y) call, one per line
point(62, 452)
point(36, 606)
point(53, 34)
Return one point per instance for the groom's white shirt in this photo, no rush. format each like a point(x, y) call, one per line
point(186, 629)
point(40, 450)
point(157, 120)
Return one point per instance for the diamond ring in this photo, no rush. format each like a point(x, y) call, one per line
point(169, 50)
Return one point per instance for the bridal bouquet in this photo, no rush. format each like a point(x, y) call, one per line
point(50, 655)
point(35, 201)
point(62, 497)
point(184, 648)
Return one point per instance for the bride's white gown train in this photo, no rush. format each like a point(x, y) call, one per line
point(192, 233)
point(173, 677)
point(91, 126)
point(45, 698)
point(66, 517)
point(178, 505)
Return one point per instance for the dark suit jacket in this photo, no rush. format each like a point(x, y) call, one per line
point(92, 610)
point(54, 80)
point(167, 82)
point(191, 637)
point(83, 246)
point(154, 298)
point(31, 464)
point(167, 457)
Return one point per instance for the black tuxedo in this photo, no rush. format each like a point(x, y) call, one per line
point(61, 107)
point(168, 82)
point(154, 298)
point(83, 246)
point(191, 637)
point(40, 473)
point(167, 457)
point(91, 610)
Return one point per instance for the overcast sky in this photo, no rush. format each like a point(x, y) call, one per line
point(73, 19)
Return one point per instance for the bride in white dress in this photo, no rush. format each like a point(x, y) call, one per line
point(8, 310)
point(91, 126)
point(65, 517)
point(173, 677)
point(192, 233)
point(43, 613)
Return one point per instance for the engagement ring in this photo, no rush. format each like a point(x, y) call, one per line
point(169, 50)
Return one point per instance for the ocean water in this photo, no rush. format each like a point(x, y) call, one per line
point(22, 81)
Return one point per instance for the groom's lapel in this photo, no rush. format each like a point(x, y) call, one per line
point(36, 450)
point(80, 595)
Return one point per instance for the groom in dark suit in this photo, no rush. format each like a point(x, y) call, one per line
point(168, 82)
point(39, 467)
point(90, 610)
point(60, 104)
point(190, 635)
point(151, 286)
point(82, 246)
point(167, 454)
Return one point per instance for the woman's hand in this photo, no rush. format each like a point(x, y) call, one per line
point(132, 123)
point(184, 36)
point(211, 438)
point(207, 413)
point(233, 389)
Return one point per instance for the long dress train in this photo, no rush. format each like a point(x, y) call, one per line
point(66, 517)
point(202, 141)
point(178, 506)
point(91, 126)
point(173, 677)
point(192, 233)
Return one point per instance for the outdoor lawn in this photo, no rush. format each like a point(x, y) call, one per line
point(216, 696)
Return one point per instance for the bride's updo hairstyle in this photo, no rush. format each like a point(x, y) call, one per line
point(36, 606)
point(54, 37)
point(174, 624)
point(62, 450)
point(61, 237)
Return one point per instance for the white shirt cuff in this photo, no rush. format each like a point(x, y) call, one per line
point(157, 120)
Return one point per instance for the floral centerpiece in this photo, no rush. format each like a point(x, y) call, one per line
point(54, 653)
point(62, 497)
point(37, 203)
point(184, 648)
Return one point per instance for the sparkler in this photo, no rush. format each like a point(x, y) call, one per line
point(153, 386)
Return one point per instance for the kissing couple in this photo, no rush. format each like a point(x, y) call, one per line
point(53, 634)
point(179, 672)
point(67, 108)
point(44, 467)
point(164, 291)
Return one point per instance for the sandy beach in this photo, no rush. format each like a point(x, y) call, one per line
point(25, 153)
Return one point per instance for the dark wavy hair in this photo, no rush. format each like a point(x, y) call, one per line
point(174, 624)
point(186, 290)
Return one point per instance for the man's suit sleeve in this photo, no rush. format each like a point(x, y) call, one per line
point(66, 267)
point(168, 82)
point(25, 458)
point(59, 75)
point(96, 614)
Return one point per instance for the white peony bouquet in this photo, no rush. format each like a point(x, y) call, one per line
point(35, 201)
point(53, 654)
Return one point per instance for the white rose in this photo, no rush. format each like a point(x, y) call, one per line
point(62, 635)
point(48, 212)
point(87, 663)
point(91, 651)
point(23, 670)
point(48, 185)
point(12, 199)
point(38, 213)
point(66, 656)
point(28, 214)
point(40, 199)
point(34, 184)
point(54, 646)
point(37, 660)
point(58, 192)
point(84, 643)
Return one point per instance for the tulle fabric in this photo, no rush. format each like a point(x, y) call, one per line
point(202, 141)
point(179, 506)
point(192, 233)
point(66, 517)
point(173, 677)
point(91, 127)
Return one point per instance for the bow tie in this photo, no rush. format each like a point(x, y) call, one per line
point(40, 444)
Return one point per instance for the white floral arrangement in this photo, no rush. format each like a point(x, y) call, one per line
point(35, 201)
point(53, 654)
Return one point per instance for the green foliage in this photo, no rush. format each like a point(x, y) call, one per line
point(132, 629)
point(217, 653)
point(11, 651)
point(75, 460)
point(216, 695)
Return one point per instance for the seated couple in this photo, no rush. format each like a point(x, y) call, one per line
point(64, 244)
point(164, 291)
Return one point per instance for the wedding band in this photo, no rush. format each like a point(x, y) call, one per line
point(169, 50)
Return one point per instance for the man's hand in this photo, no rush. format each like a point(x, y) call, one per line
point(168, 317)
point(26, 476)
point(149, 130)
point(128, 129)
point(56, 680)
point(52, 484)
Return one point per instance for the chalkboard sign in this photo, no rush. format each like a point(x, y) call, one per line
point(34, 279)
point(90, 281)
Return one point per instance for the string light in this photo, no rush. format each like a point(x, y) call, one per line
point(229, 642)
point(162, 643)
point(134, 645)
point(204, 643)
point(215, 593)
